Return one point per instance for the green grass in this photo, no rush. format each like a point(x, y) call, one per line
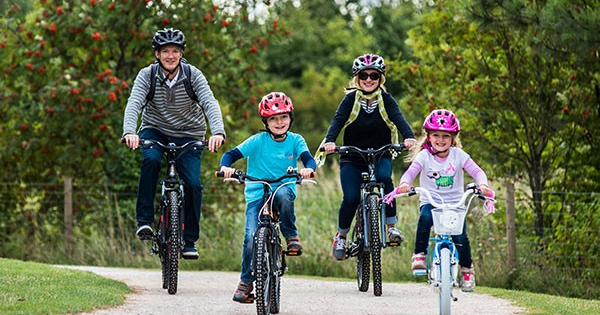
point(544, 304)
point(34, 288)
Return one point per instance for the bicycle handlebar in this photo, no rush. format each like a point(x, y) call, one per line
point(241, 177)
point(196, 145)
point(348, 149)
point(471, 189)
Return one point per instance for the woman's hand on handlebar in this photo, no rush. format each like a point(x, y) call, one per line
point(131, 140)
point(408, 143)
point(329, 147)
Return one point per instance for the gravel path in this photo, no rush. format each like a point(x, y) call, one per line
point(208, 292)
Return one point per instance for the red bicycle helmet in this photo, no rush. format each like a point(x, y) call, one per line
point(442, 120)
point(275, 103)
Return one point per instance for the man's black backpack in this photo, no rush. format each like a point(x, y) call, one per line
point(185, 66)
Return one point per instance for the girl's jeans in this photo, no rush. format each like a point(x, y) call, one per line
point(188, 167)
point(351, 179)
point(424, 229)
point(284, 202)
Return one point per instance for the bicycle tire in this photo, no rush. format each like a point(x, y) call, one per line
point(363, 257)
point(275, 283)
point(445, 295)
point(173, 244)
point(262, 270)
point(375, 236)
point(162, 247)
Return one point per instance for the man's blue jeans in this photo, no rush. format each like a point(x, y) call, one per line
point(188, 167)
point(424, 230)
point(284, 202)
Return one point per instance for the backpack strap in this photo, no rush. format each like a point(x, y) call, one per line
point(153, 70)
point(185, 66)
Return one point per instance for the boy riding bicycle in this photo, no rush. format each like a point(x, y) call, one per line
point(270, 154)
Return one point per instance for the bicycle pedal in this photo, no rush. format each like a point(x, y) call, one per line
point(419, 272)
point(393, 244)
point(292, 252)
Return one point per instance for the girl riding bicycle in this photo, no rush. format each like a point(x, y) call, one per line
point(370, 118)
point(270, 154)
point(441, 163)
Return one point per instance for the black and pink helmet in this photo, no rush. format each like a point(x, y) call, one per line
point(368, 61)
point(442, 120)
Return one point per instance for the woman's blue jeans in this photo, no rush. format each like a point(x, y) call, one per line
point(188, 167)
point(351, 179)
point(284, 202)
point(424, 230)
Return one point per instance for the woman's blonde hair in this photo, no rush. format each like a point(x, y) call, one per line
point(415, 149)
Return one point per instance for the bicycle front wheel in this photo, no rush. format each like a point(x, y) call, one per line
point(173, 246)
point(445, 295)
point(375, 242)
point(262, 270)
point(275, 282)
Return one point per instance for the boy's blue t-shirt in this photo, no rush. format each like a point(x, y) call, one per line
point(268, 158)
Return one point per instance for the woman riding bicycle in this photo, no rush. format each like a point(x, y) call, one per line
point(370, 118)
point(270, 154)
point(441, 161)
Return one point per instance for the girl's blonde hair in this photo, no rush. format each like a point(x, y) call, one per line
point(415, 149)
point(354, 84)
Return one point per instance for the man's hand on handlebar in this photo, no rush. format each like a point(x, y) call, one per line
point(131, 140)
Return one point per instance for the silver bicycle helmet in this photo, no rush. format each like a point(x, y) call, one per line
point(368, 61)
point(168, 36)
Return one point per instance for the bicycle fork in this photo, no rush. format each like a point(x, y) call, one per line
point(434, 263)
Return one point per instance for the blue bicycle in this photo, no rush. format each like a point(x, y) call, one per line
point(442, 256)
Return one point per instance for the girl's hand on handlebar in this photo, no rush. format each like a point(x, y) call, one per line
point(307, 173)
point(132, 141)
point(227, 171)
point(329, 147)
point(403, 188)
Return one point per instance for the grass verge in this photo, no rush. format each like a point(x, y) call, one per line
point(34, 288)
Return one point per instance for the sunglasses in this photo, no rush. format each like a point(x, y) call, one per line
point(373, 75)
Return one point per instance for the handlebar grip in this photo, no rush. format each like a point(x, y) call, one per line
point(219, 174)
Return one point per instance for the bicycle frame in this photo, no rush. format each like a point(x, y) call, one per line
point(267, 241)
point(368, 245)
point(168, 240)
point(442, 258)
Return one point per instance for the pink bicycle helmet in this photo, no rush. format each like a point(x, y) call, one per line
point(275, 103)
point(442, 120)
point(368, 61)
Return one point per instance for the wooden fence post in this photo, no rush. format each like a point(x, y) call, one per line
point(68, 208)
point(511, 233)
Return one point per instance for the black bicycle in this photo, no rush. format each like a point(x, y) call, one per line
point(368, 235)
point(268, 262)
point(167, 240)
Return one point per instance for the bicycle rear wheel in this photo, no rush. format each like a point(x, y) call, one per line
point(375, 243)
point(445, 295)
point(363, 257)
point(262, 270)
point(173, 244)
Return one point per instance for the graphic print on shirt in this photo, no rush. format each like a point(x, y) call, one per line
point(443, 177)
